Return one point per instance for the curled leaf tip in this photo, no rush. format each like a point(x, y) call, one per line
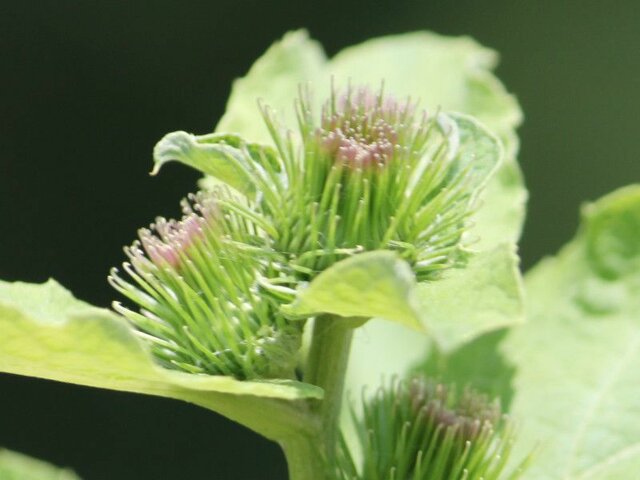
point(174, 146)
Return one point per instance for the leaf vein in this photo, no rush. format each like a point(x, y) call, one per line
point(606, 385)
point(619, 456)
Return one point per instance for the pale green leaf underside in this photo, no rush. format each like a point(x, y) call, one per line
point(371, 284)
point(15, 466)
point(47, 333)
point(480, 152)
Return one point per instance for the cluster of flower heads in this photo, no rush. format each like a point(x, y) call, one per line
point(372, 173)
point(421, 430)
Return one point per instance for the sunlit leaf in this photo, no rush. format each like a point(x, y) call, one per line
point(274, 79)
point(372, 284)
point(483, 296)
point(47, 333)
point(570, 374)
point(577, 380)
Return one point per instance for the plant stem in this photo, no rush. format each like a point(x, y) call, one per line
point(326, 368)
point(310, 457)
point(304, 458)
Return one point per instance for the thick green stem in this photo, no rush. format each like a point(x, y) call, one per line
point(305, 460)
point(310, 457)
point(326, 368)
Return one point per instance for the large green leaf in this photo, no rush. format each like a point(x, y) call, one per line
point(371, 284)
point(483, 296)
point(274, 79)
point(571, 374)
point(577, 382)
point(15, 466)
point(47, 333)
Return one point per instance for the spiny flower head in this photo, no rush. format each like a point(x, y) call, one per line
point(201, 309)
point(421, 430)
point(371, 173)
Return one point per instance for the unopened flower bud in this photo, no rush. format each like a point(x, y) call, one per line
point(201, 309)
point(421, 430)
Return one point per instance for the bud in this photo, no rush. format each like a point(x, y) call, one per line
point(420, 430)
point(372, 173)
point(201, 307)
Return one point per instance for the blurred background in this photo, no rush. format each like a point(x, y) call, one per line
point(88, 87)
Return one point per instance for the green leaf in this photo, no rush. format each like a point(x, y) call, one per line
point(484, 295)
point(435, 62)
point(274, 79)
point(574, 378)
point(480, 152)
point(501, 215)
point(371, 284)
point(15, 466)
point(222, 156)
point(47, 333)
point(577, 381)
point(478, 363)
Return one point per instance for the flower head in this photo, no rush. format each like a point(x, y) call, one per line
point(372, 173)
point(201, 309)
point(424, 431)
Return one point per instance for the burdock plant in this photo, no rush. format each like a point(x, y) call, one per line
point(357, 221)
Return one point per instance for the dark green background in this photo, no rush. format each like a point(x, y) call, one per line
point(86, 88)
